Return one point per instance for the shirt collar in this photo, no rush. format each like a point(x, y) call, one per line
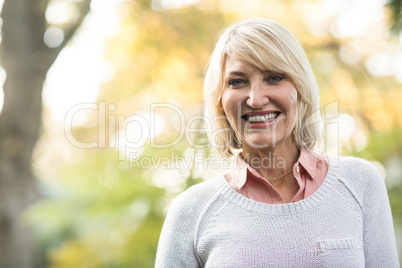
point(308, 160)
point(239, 171)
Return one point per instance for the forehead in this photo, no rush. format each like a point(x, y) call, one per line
point(235, 64)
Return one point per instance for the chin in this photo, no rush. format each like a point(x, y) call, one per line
point(260, 141)
point(265, 139)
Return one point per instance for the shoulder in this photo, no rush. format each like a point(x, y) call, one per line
point(194, 199)
point(355, 162)
point(357, 169)
point(176, 246)
point(358, 175)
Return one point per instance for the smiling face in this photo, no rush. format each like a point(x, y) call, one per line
point(259, 104)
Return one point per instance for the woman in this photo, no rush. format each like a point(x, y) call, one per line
point(281, 204)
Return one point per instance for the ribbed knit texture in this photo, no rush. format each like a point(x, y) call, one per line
point(347, 222)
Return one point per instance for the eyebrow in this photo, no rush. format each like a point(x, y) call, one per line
point(268, 72)
point(239, 73)
point(235, 73)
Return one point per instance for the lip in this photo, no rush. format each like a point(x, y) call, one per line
point(262, 112)
point(261, 124)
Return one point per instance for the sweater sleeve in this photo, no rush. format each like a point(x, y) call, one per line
point(176, 247)
point(379, 237)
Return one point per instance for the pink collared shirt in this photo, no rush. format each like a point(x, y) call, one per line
point(309, 170)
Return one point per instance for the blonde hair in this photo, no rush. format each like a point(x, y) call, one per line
point(268, 46)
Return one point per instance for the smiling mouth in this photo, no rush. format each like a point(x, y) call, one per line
point(260, 118)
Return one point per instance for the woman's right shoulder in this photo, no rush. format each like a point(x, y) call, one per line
point(176, 243)
point(196, 197)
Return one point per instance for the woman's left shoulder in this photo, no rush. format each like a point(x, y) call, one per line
point(352, 163)
point(359, 165)
point(357, 171)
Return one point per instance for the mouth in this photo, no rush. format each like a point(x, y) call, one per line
point(261, 117)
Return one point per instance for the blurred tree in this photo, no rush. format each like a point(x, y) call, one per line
point(396, 9)
point(26, 59)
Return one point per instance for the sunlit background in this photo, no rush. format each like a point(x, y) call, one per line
point(105, 200)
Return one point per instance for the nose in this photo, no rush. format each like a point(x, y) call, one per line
point(257, 96)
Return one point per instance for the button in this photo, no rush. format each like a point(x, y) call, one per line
point(297, 169)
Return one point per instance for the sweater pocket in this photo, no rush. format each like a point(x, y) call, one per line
point(341, 252)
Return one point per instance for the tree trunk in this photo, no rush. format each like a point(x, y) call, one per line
point(26, 60)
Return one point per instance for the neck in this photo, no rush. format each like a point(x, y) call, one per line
point(272, 162)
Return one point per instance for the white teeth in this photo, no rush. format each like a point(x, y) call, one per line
point(261, 118)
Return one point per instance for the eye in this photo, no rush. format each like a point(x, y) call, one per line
point(274, 78)
point(236, 82)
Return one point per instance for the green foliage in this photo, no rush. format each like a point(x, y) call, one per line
point(100, 213)
point(396, 9)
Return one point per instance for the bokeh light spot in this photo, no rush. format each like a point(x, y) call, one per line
point(53, 37)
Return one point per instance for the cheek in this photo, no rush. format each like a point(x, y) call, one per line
point(288, 101)
point(229, 104)
point(224, 101)
point(291, 93)
point(293, 105)
point(289, 98)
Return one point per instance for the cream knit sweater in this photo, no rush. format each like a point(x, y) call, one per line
point(347, 222)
